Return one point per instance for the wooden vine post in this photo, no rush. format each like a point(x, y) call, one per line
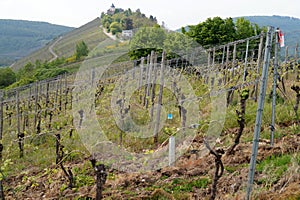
point(286, 62)
point(147, 80)
point(1, 124)
point(20, 135)
point(149, 77)
point(47, 99)
point(153, 86)
point(260, 49)
point(1, 145)
point(36, 91)
point(297, 64)
point(296, 88)
point(141, 78)
point(160, 96)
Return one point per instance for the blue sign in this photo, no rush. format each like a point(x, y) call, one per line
point(170, 116)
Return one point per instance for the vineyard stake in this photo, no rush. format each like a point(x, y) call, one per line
point(259, 112)
point(146, 81)
point(285, 61)
point(141, 77)
point(20, 135)
point(153, 86)
point(160, 96)
point(1, 145)
point(274, 89)
point(246, 61)
point(1, 123)
point(260, 49)
point(296, 63)
point(171, 151)
point(35, 103)
point(149, 79)
point(234, 59)
point(214, 56)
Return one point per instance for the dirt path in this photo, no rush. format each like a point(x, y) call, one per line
point(55, 56)
point(111, 36)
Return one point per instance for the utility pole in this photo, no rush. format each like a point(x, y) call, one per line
point(259, 111)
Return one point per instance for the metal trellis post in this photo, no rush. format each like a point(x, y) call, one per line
point(259, 112)
point(274, 89)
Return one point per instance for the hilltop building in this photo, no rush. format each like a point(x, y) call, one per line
point(112, 10)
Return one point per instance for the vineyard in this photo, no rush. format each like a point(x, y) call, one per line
point(221, 123)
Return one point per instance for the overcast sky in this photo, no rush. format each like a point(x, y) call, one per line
point(175, 13)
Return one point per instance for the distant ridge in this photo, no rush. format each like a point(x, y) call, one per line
point(289, 25)
point(18, 38)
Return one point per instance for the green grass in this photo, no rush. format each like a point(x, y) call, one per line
point(273, 168)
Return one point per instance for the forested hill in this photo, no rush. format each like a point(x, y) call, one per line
point(289, 25)
point(18, 38)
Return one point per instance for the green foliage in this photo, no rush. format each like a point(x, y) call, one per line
point(146, 40)
point(177, 43)
point(21, 82)
point(244, 29)
point(38, 71)
point(115, 28)
point(215, 31)
point(81, 50)
point(245, 94)
point(126, 20)
point(7, 77)
point(42, 74)
point(4, 167)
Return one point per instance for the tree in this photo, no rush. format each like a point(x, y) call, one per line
point(244, 29)
point(115, 28)
point(146, 40)
point(177, 44)
point(213, 31)
point(81, 50)
point(127, 24)
point(106, 20)
point(7, 77)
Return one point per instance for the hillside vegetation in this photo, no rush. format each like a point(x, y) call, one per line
point(126, 20)
point(18, 38)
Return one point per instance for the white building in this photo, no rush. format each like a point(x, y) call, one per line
point(127, 34)
point(111, 10)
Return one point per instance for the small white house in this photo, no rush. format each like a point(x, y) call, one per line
point(127, 33)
